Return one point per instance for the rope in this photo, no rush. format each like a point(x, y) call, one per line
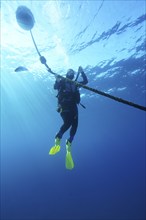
point(103, 93)
point(113, 97)
point(43, 61)
point(35, 43)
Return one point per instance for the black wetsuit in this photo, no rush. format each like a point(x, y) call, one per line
point(68, 98)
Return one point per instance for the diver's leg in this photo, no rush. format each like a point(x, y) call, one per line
point(74, 124)
point(74, 127)
point(66, 124)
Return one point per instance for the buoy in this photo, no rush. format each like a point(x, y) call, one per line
point(25, 18)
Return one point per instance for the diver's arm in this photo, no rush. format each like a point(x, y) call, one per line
point(58, 82)
point(85, 80)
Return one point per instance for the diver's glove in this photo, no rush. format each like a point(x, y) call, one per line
point(85, 80)
point(58, 78)
point(80, 70)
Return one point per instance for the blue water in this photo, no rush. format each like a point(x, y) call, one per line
point(107, 38)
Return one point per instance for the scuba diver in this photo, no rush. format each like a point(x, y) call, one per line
point(68, 98)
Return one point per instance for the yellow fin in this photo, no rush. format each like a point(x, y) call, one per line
point(54, 150)
point(69, 161)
